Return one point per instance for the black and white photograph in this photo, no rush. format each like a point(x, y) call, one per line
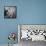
point(9, 11)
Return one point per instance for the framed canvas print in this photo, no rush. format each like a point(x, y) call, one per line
point(32, 32)
point(10, 12)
